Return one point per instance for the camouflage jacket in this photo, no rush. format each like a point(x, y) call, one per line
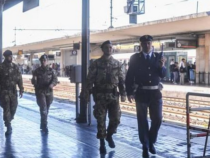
point(10, 76)
point(105, 74)
point(42, 78)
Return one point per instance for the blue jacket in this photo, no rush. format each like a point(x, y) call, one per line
point(143, 73)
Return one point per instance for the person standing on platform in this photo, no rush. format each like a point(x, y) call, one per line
point(10, 76)
point(182, 67)
point(171, 71)
point(105, 76)
point(175, 72)
point(44, 79)
point(145, 70)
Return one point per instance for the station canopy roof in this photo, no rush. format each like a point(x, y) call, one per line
point(10, 3)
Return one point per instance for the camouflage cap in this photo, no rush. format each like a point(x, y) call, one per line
point(146, 38)
point(43, 57)
point(106, 42)
point(7, 53)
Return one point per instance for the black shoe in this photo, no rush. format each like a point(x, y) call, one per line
point(110, 141)
point(152, 149)
point(102, 149)
point(145, 153)
point(9, 130)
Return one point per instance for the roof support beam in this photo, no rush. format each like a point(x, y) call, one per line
point(1, 27)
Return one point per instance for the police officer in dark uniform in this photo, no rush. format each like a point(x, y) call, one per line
point(44, 79)
point(143, 80)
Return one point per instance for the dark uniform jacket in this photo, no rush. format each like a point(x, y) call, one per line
point(10, 76)
point(144, 73)
point(106, 75)
point(43, 77)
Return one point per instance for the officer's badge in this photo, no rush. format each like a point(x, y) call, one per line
point(146, 37)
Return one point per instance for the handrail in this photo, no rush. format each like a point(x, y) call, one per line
point(188, 127)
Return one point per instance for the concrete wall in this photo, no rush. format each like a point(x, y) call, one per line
point(203, 56)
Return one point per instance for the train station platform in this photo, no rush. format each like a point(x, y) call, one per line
point(67, 139)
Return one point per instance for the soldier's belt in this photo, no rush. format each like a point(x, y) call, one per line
point(149, 87)
point(104, 90)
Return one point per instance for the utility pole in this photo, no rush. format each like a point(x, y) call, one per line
point(111, 17)
point(1, 27)
point(15, 38)
point(82, 117)
point(197, 8)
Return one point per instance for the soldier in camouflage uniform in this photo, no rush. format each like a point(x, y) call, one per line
point(10, 76)
point(44, 79)
point(106, 75)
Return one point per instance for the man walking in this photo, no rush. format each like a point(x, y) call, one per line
point(145, 70)
point(105, 76)
point(44, 79)
point(10, 76)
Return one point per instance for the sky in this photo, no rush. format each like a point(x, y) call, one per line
point(67, 15)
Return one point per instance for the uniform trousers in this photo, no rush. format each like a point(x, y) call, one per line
point(44, 101)
point(107, 104)
point(148, 135)
point(9, 104)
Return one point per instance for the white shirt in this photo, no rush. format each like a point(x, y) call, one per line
point(145, 55)
point(182, 64)
point(171, 63)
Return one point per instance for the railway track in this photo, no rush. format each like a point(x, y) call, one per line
point(173, 108)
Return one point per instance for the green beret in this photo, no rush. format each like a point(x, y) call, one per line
point(43, 57)
point(106, 42)
point(7, 53)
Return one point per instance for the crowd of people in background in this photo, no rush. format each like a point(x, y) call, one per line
point(27, 69)
point(178, 71)
point(24, 68)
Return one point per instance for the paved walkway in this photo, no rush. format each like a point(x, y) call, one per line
point(67, 139)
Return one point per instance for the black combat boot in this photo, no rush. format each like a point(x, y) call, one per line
point(102, 147)
point(110, 141)
point(9, 130)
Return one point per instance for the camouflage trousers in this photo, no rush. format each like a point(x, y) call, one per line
point(9, 104)
point(103, 106)
point(44, 101)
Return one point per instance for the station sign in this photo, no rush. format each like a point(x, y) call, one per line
point(73, 52)
point(20, 52)
point(186, 43)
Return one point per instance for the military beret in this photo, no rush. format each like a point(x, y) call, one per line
point(106, 42)
point(146, 38)
point(43, 57)
point(7, 53)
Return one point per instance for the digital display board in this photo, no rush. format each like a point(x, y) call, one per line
point(186, 43)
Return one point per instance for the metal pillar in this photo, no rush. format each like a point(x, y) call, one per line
point(111, 18)
point(77, 99)
point(197, 8)
point(82, 118)
point(1, 27)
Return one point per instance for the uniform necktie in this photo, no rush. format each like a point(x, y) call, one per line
point(147, 57)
